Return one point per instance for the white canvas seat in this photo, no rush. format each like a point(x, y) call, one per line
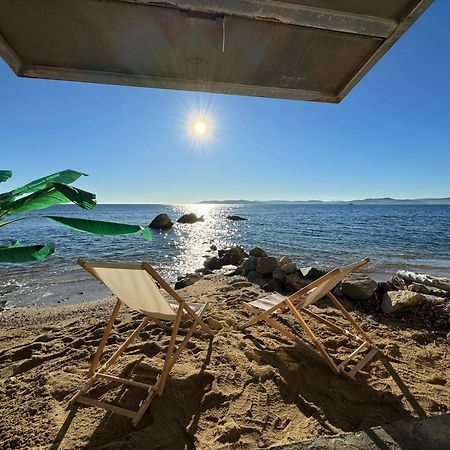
point(136, 285)
point(275, 304)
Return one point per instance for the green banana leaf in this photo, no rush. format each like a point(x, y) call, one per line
point(16, 253)
point(3, 224)
point(54, 195)
point(5, 175)
point(84, 199)
point(11, 245)
point(100, 227)
point(65, 177)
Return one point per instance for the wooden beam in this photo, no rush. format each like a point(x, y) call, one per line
point(10, 56)
point(313, 338)
point(406, 22)
point(349, 317)
point(331, 325)
point(361, 364)
point(123, 380)
point(97, 403)
point(106, 333)
point(285, 13)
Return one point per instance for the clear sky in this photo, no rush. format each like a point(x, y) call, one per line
point(390, 137)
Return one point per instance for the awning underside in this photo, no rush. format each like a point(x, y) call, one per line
point(304, 49)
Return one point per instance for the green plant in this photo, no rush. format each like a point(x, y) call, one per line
point(49, 191)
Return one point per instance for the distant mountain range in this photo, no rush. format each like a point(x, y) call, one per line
point(366, 201)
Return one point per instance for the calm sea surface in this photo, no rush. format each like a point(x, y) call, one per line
point(394, 237)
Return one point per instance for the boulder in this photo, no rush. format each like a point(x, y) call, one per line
point(289, 268)
point(213, 263)
point(296, 281)
point(284, 260)
point(266, 264)
point(358, 287)
point(249, 265)
point(236, 255)
point(213, 247)
point(436, 282)
point(394, 301)
point(273, 285)
point(256, 278)
point(279, 274)
point(258, 252)
point(190, 218)
point(188, 280)
point(161, 222)
point(312, 273)
point(427, 290)
point(236, 218)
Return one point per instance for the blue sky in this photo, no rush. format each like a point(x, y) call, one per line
point(389, 137)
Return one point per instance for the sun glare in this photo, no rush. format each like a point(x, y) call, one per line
point(200, 127)
point(200, 124)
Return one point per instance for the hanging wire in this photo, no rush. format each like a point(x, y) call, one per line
point(223, 34)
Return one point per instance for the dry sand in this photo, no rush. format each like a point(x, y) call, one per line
point(242, 390)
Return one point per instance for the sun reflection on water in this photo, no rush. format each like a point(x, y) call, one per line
point(194, 240)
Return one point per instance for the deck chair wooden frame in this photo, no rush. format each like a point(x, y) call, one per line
point(97, 371)
point(276, 304)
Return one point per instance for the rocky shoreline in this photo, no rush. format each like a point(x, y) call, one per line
point(405, 294)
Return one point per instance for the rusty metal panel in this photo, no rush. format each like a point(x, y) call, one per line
point(299, 49)
point(388, 9)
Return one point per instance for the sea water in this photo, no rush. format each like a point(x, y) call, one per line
point(410, 237)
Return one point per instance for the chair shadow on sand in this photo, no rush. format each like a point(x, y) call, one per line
point(335, 402)
point(187, 393)
point(331, 399)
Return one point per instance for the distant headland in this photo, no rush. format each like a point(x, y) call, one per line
point(365, 201)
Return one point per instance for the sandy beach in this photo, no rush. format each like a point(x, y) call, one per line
point(240, 390)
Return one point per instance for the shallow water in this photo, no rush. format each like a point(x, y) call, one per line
point(412, 237)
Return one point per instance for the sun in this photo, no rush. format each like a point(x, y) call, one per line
point(200, 127)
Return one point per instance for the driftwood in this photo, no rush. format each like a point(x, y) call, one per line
point(428, 280)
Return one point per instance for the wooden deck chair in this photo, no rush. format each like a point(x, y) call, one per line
point(267, 308)
point(135, 285)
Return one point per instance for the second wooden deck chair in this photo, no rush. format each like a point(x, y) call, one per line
point(268, 308)
point(136, 286)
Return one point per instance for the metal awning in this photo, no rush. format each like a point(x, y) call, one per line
point(298, 49)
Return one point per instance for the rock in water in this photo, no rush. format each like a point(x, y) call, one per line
point(213, 263)
point(236, 218)
point(266, 264)
point(358, 287)
point(284, 260)
point(258, 252)
point(190, 218)
point(161, 222)
point(394, 301)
